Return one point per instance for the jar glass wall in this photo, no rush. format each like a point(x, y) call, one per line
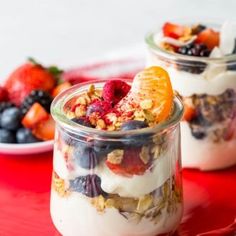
point(207, 84)
point(87, 198)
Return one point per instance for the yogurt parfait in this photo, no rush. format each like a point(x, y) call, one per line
point(117, 159)
point(201, 61)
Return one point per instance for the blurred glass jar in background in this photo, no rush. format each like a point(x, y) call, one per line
point(207, 86)
point(87, 198)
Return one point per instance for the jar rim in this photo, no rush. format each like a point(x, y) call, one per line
point(60, 117)
point(150, 41)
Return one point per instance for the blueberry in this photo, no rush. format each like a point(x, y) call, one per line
point(82, 121)
point(24, 135)
point(100, 107)
point(135, 140)
point(198, 134)
point(85, 155)
point(11, 118)
point(7, 136)
point(133, 124)
point(89, 185)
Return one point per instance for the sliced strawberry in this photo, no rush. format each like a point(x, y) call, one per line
point(26, 78)
point(60, 88)
point(189, 113)
point(130, 165)
point(34, 115)
point(45, 129)
point(173, 30)
point(209, 37)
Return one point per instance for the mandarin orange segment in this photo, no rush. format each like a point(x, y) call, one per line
point(152, 91)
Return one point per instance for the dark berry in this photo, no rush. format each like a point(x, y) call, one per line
point(89, 185)
point(39, 96)
point(197, 50)
point(24, 135)
point(82, 121)
point(3, 94)
point(133, 124)
point(5, 105)
point(198, 29)
point(7, 136)
point(115, 90)
point(85, 155)
point(198, 134)
point(11, 118)
point(100, 107)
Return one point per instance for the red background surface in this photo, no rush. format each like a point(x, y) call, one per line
point(210, 197)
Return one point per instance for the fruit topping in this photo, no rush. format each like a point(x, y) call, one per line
point(45, 129)
point(35, 115)
point(209, 37)
point(89, 185)
point(26, 78)
point(152, 91)
point(5, 105)
point(11, 118)
point(198, 28)
point(133, 124)
point(85, 155)
point(174, 30)
point(7, 136)
point(3, 94)
point(197, 50)
point(127, 162)
point(24, 135)
point(82, 121)
point(39, 96)
point(115, 90)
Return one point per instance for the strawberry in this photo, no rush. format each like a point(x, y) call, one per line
point(60, 88)
point(3, 94)
point(131, 164)
point(173, 30)
point(45, 129)
point(35, 115)
point(26, 78)
point(209, 37)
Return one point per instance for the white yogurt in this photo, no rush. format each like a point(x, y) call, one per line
point(74, 215)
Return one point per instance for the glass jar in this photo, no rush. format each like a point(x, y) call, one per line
point(88, 198)
point(207, 86)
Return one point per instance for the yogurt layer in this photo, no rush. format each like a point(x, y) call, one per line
point(75, 215)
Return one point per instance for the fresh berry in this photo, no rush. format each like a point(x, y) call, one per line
point(189, 113)
point(89, 185)
point(82, 121)
point(115, 90)
point(85, 155)
point(198, 28)
point(197, 50)
point(11, 118)
point(173, 30)
point(26, 78)
point(7, 136)
point(39, 96)
point(133, 124)
point(24, 135)
point(60, 88)
point(45, 129)
point(35, 115)
point(5, 105)
point(100, 107)
point(131, 163)
point(208, 37)
point(3, 94)
point(198, 134)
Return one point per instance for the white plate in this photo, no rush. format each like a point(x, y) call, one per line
point(28, 148)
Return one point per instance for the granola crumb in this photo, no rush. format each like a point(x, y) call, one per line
point(144, 155)
point(116, 156)
point(146, 104)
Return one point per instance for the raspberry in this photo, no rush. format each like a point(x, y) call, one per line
point(100, 107)
point(115, 90)
point(3, 94)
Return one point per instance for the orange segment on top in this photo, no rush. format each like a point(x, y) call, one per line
point(152, 89)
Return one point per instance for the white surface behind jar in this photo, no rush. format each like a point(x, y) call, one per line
point(70, 32)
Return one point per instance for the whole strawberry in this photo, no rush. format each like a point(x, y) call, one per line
point(28, 77)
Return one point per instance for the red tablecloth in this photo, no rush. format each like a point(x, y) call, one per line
point(210, 198)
